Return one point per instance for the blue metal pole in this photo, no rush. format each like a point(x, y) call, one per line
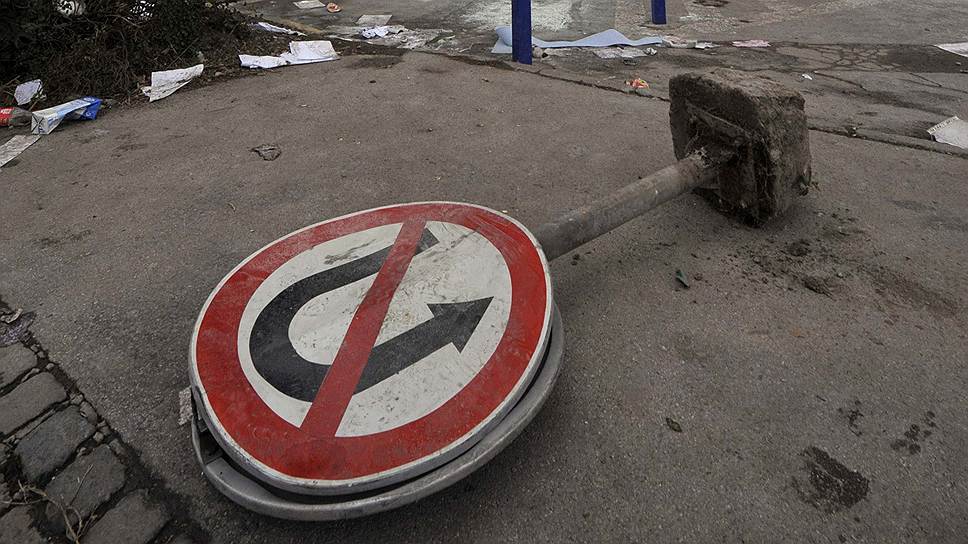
point(658, 12)
point(521, 31)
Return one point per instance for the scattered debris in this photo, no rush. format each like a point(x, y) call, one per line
point(678, 43)
point(268, 27)
point(956, 48)
point(682, 43)
point(807, 76)
point(299, 53)
point(15, 146)
point(621, 52)
point(381, 31)
point(408, 39)
point(14, 117)
point(309, 4)
point(46, 120)
point(606, 38)
point(651, 51)
point(752, 43)
point(373, 20)
point(168, 81)
point(333, 7)
point(26, 92)
point(637, 83)
point(952, 131)
point(681, 278)
point(9, 318)
point(268, 152)
point(13, 330)
point(673, 424)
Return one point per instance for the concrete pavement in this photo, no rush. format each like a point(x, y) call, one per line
point(814, 369)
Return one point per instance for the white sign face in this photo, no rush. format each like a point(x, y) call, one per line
point(461, 266)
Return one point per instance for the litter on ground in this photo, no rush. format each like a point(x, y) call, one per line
point(952, 131)
point(25, 92)
point(15, 146)
point(268, 152)
point(622, 52)
point(637, 83)
point(168, 81)
point(309, 4)
point(299, 53)
point(751, 43)
point(678, 43)
point(46, 120)
point(381, 31)
point(268, 27)
point(605, 38)
point(956, 48)
point(14, 117)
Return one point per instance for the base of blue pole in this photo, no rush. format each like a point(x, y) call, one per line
point(658, 12)
point(521, 31)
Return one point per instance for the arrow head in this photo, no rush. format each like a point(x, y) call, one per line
point(461, 318)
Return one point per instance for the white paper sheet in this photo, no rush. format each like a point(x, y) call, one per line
point(25, 92)
point(373, 20)
point(956, 48)
point(168, 81)
point(953, 131)
point(15, 146)
point(299, 53)
point(606, 38)
point(309, 4)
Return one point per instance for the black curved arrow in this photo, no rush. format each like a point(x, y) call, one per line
point(271, 350)
point(453, 323)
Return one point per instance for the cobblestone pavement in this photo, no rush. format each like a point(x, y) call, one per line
point(66, 474)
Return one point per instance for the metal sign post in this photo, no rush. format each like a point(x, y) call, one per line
point(521, 31)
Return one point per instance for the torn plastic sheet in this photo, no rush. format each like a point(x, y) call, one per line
point(952, 131)
point(268, 27)
point(299, 53)
point(15, 146)
point(956, 48)
point(380, 31)
point(46, 120)
point(605, 38)
point(168, 81)
point(25, 92)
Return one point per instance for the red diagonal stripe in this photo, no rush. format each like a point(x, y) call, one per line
point(334, 395)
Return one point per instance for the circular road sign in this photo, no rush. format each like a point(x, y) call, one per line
point(371, 348)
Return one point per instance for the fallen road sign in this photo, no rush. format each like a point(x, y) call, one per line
point(372, 348)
